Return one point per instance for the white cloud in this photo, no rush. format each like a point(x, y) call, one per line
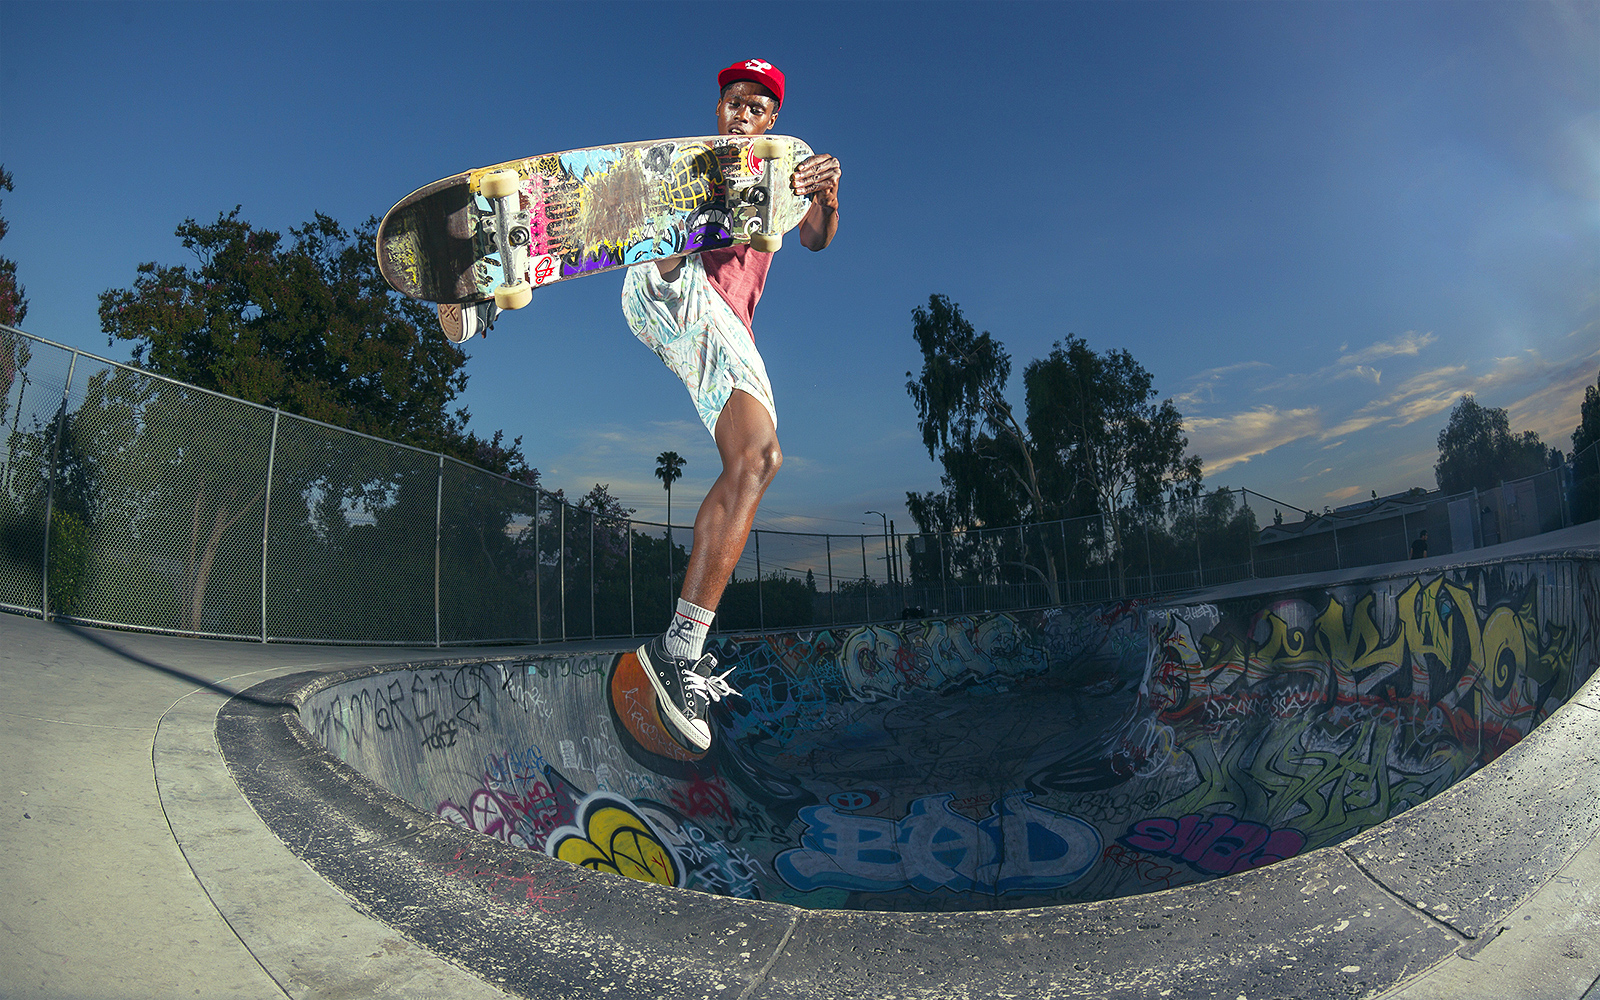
point(1223, 442)
point(1408, 344)
point(1363, 372)
point(1202, 387)
point(1353, 364)
point(1419, 396)
point(1552, 409)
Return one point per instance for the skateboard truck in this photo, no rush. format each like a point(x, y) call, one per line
point(768, 151)
point(502, 188)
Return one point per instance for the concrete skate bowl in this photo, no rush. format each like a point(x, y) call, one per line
point(1317, 792)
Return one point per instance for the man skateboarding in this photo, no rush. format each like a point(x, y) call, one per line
point(696, 313)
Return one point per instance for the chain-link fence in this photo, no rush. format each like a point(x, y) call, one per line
point(131, 500)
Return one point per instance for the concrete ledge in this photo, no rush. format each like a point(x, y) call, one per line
point(303, 933)
point(1476, 851)
point(1359, 919)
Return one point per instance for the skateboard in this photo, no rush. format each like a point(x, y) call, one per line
point(499, 232)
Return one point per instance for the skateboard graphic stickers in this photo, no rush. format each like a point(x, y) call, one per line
point(564, 215)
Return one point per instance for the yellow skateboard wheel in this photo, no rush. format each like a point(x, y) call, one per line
point(513, 296)
point(499, 183)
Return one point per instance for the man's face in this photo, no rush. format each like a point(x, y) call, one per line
point(745, 108)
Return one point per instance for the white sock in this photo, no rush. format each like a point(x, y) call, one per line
point(686, 636)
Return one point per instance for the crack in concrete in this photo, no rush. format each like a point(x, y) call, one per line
point(1448, 927)
point(777, 953)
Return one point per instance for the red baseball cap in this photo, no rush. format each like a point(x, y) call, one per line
point(759, 70)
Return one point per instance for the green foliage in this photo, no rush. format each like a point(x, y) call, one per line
point(306, 325)
point(1094, 440)
point(1102, 437)
point(167, 475)
point(967, 425)
point(13, 300)
point(1478, 451)
point(669, 468)
point(497, 457)
point(69, 560)
point(1587, 433)
point(778, 601)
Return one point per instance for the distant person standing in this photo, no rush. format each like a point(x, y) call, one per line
point(1419, 548)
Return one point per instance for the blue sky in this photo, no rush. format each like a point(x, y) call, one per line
point(1315, 224)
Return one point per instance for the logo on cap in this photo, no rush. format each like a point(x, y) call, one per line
point(760, 64)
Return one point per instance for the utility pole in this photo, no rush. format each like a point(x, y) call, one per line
point(888, 555)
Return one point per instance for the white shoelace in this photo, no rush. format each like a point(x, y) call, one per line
point(713, 688)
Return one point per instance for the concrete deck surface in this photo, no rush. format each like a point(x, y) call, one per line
point(133, 866)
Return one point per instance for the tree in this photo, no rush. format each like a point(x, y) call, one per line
point(1587, 433)
point(1094, 439)
point(13, 303)
point(967, 425)
point(1586, 457)
point(308, 326)
point(990, 476)
point(1108, 441)
point(1111, 446)
point(1478, 451)
point(669, 469)
point(596, 561)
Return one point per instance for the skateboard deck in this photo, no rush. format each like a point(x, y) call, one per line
point(564, 215)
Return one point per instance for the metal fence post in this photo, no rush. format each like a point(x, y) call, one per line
point(266, 518)
point(633, 627)
point(1149, 562)
point(1199, 560)
point(538, 572)
point(1066, 572)
point(592, 591)
point(438, 535)
point(1022, 558)
point(944, 581)
point(1561, 492)
point(1244, 495)
point(833, 613)
point(761, 606)
point(50, 491)
point(866, 581)
point(561, 564)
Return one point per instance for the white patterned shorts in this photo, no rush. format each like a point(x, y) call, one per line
point(698, 337)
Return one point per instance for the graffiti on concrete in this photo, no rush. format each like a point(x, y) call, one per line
point(1218, 846)
point(520, 891)
point(1331, 717)
point(610, 835)
point(991, 760)
point(1018, 846)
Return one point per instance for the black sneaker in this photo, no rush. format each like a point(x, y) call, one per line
point(461, 323)
point(684, 689)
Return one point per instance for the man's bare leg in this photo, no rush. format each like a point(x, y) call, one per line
point(683, 680)
point(748, 444)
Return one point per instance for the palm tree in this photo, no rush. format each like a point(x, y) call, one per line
point(669, 469)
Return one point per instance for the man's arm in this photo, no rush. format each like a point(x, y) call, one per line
point(818, 178)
